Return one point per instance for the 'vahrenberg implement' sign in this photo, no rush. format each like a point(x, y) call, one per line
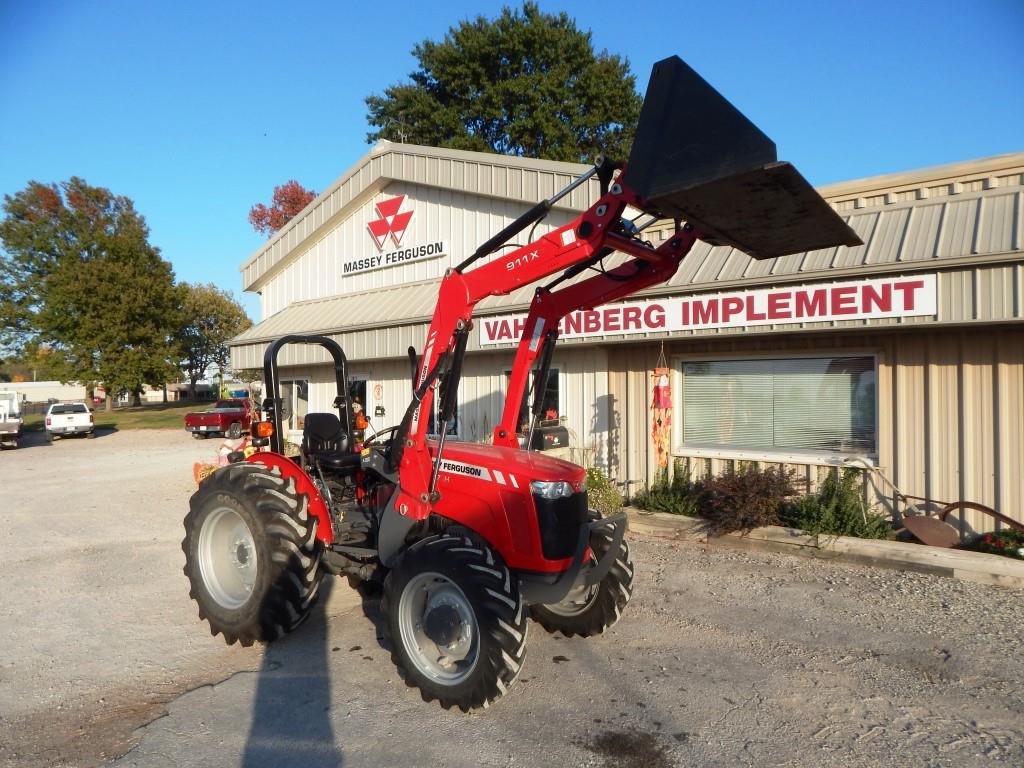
point(857, 300)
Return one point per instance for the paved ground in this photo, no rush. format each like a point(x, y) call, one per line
point(723, 658)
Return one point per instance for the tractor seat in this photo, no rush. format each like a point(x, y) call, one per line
point(326, 443)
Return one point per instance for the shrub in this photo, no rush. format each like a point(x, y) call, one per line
point(837, 509)
point(602, 494)
point(749, 498)
point(1008, 542)
point(678, 497)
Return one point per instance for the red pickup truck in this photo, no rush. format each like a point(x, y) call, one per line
point(230, 418)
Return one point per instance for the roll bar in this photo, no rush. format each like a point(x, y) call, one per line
point(272, 402)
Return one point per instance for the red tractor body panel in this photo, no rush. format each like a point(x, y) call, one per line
point(487, 489)
point(289, 469)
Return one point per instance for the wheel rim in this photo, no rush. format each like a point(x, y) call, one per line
point(430, 595)
point(576, 602)
point(227, 558)
point(580, 597)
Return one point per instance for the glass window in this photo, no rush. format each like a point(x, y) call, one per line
point(799, 404)
point(70, 408)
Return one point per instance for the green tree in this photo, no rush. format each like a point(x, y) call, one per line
point(79, 275)
point(212, 317)
point(527, 83)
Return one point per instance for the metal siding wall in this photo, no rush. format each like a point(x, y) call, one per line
point(950, 411)
point(908, 467)
point(628, 389)
point(942, 378)
point(1009, 424)
point(977, 465)
point(974, 398)
point(590, 419)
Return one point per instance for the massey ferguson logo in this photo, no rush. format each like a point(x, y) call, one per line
point(391, 222)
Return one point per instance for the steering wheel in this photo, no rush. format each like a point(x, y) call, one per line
point(372, 440)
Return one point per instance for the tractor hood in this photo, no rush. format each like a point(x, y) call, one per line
point(501, 464)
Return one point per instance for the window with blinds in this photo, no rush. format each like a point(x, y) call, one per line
point(799, 404)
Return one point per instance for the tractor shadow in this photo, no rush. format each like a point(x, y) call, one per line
point(291, 715)
point(370, 593)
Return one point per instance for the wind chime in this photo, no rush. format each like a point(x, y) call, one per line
point(661, 410)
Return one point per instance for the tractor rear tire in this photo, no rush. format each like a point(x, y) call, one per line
point(251, 554)
point(592, 611)
point(455, 621)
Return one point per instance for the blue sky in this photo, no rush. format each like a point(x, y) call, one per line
point(196, 110)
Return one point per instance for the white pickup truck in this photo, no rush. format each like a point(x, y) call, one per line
point(10, 419)
point(63, 419)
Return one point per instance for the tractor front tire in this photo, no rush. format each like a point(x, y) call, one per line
point(251, 553)
point(588, 611)
point(455, 621)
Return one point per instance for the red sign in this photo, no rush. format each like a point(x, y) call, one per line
point(391, 222)
point(859, 300)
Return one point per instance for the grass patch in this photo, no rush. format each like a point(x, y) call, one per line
point(160, 416)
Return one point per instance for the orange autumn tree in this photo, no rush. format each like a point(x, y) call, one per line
point(288, 200)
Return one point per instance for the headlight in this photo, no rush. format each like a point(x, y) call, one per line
point(551, 489)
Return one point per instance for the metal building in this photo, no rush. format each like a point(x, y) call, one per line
point(906, 352)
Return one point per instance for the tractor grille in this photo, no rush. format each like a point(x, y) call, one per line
point(560, 521)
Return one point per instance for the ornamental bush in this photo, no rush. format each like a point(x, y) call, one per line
point(602, 494)
point(1008, 543)
point(744, 499)
point(678, 497)
point(837, 509)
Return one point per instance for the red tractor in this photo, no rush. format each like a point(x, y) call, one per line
point(469, 541)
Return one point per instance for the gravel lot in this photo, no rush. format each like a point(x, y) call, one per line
point(723, 658)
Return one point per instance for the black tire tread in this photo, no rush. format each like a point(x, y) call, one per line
point(501, 615)
point(614, 592)
point(285, 531)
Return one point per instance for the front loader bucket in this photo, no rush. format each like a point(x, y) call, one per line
point(698, 158)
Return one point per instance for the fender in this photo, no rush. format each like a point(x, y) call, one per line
point(317, 507)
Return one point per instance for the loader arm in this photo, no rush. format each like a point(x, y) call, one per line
point(549, 307)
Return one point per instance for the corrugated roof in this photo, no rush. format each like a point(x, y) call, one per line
point(972, 228)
